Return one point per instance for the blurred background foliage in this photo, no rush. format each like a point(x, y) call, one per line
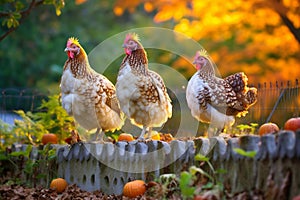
point(33, 54)
point(261, 38)
point(258, 37)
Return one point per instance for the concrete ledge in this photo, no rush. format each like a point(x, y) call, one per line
point(108, 167)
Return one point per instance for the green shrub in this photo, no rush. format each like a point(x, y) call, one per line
point(50, 118)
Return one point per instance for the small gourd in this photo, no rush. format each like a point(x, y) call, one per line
point(49, 138)
point(125, 137)
point(134, 188)
point(58, 184)
point(268, 128)
point(292, 124)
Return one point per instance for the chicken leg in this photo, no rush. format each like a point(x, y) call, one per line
point(145, 129)
point(99, 134)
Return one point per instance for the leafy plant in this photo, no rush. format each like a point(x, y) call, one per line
point(197, 180)
point(45, 165)
point(186, 184)
point(27, 170)
point(248, 128)
point(249, 154)
point(14, 11)
point(27, 130)
point(6, 136)
point(51, 118)
point(165, 186)
point(54, 118)
point(243, 129)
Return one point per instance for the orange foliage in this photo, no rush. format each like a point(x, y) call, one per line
point(129, 5)
point(240, 35)
point(78, 2)
point(118, 11)
point(148, 6)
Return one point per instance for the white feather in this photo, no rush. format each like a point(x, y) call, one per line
point(135, 106)
point(78, 99)
point(209, 115)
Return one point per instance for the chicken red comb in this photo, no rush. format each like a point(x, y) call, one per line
point(132, 36)
point(72, 40)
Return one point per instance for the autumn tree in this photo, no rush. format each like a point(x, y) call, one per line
point(33, 54)
point(13, 12)
point(259, 37)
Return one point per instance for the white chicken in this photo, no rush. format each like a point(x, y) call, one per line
point(217, 101)
point(88, 96)
point(141, 92)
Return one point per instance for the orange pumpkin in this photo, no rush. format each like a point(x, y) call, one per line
point(49, 138)
point(125, 137)
point(58, 184)
point(268, 128)
point(292, 124)
point(134, 188)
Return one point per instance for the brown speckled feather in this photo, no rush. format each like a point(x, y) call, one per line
point(230, 95)
point(82, 70)
point(139, 65)
point(138, 62)
point(237, 81)
point(111, 99)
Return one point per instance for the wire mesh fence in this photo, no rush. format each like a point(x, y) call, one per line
point(26, 99)
point(276, 103)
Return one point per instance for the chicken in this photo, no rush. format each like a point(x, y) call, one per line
point(217, 101)
point(88, 96)
point(142, 93)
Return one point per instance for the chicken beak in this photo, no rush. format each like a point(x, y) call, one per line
point(194, 62)
point(66, 49)
point(124, 46)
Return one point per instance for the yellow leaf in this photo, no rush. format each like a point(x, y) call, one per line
point(162, 16)
point(58, 11)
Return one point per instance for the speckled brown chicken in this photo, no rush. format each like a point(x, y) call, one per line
point(142, 93)
point(215, 100)
point(87, 95)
